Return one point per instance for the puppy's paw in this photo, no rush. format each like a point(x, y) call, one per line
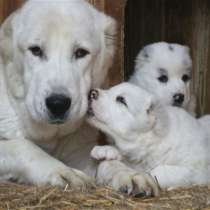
point(105, 153)
point(136, 184)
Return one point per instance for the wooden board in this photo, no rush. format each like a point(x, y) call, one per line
point(7, 6)
point(116, 10)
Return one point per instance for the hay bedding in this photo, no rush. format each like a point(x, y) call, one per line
point(19, 197)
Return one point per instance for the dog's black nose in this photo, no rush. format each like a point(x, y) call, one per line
point(58, 105)
point(93, 95)
point(178, 99)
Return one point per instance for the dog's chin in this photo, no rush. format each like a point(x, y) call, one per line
point(60, 120)
point(57, 121)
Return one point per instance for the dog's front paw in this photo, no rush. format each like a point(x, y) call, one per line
point(135, 184)
point(75, 179)
point(105, 153)
point(60, 175)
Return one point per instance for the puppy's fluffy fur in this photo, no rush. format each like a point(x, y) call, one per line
point(164, 69)
point(165, 141)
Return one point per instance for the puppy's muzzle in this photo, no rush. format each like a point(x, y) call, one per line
point(94, 94)
point(178, 99)
point(58, 106)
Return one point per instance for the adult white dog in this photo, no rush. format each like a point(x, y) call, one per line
point(52, 54)
point(165, 70)
point(166, 141)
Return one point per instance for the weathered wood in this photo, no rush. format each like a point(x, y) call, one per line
point(116, 10)
point(201, 53)
point(7, 6)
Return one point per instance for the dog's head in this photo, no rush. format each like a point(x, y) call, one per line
point(165, 70)
point(124, 111)
point(54, 53)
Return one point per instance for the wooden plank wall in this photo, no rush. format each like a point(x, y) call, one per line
point(113, 8)
point(7, 6)
point(185, 22)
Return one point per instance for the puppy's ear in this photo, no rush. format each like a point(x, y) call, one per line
point(143, 57)
point(151, 112)
point(108, 28)
point(151, 108)
point(145, 52)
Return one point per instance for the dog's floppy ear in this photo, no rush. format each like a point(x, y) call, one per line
point(109, 36)
point(6, 39)
point(110, 32)
point(13, 78)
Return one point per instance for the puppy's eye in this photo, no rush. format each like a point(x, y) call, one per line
point(185, 78)
point(81, 53)
point(36, 51)
point(163, 79)
point(121, 100)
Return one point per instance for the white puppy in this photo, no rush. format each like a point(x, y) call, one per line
point(51, 54)
point(165, 70)
point(165, 141)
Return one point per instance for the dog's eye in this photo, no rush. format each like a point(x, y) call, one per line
point(163, 79)
point(185, 78)
point(81, 53)
point(36, 51)
point(121, 100)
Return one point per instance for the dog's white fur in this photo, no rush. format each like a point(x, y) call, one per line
point(171, 60)
point(165, 141)
point(31, 148)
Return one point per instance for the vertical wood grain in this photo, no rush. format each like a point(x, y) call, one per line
point(201, 53)
point(7, 7)
point(116, 10)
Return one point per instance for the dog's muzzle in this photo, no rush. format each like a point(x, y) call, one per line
point(58, 106)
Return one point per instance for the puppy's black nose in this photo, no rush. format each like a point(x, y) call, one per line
point(178, 99)
point(93, 95)
point(58, 105)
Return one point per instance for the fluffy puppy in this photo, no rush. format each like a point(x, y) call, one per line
point(164, 141)
point(165, 70)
